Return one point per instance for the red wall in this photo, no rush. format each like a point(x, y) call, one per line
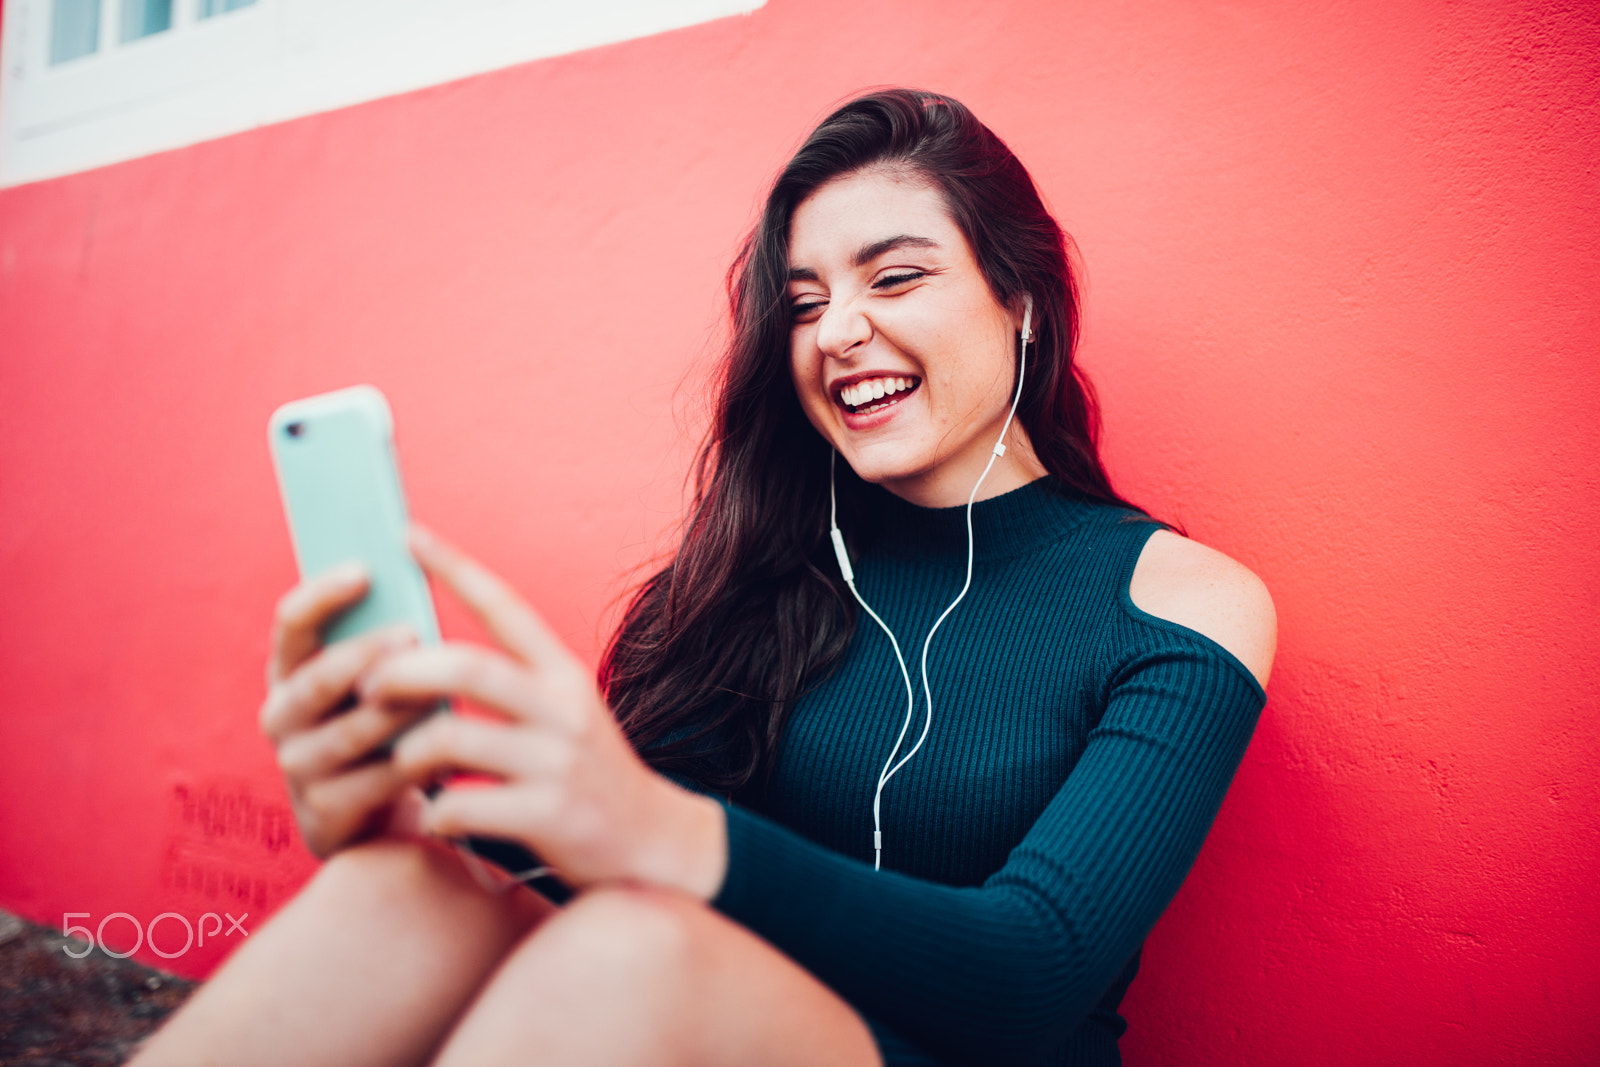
point(1341, 309)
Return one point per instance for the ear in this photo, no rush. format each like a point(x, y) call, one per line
point(1022, 317)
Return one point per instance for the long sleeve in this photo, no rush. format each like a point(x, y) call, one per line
point(1005, 971)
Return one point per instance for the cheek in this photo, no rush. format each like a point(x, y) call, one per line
point(981, 384)
point(805, 371)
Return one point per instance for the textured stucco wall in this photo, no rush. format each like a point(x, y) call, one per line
point(1341, 310)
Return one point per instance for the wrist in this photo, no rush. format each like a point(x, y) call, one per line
point(687, 847)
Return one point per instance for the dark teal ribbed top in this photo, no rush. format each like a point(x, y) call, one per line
point(1079, 752)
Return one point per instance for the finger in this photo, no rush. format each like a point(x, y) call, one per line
point(407, 813)
point(434, 672)
point(452, 743)
point(343, 740)
point(304, 610)
point(495, 604)
point(512, 812)
point(321, 683)
point(343, 807)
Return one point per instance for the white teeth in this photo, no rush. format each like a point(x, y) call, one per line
point(873, 389)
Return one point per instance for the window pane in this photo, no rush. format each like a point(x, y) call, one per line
point(217, 7)
point(74, 29)
point(141, 18)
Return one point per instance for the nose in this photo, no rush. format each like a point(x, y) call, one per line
point(843, 327)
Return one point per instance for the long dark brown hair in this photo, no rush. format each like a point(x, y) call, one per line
point(751, 612)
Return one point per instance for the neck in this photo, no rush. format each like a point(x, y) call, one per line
point(950, 483)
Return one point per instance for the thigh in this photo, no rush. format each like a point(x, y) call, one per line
point(372, 963)
point(636, 976)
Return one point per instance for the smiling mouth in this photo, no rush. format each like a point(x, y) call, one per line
point(875, 394)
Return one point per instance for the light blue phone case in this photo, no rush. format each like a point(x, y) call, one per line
point(334, 455)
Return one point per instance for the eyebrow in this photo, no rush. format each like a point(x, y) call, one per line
point(869, 252)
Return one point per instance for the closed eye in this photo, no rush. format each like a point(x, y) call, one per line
point(808, 307)
point(890, 281)
point(804, 310)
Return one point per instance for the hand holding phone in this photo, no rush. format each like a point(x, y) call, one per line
point(341, 492)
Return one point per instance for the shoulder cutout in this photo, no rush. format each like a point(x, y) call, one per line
point(1184, 582)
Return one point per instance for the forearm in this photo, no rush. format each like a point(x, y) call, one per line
point(998, 973)
point(1008, 970)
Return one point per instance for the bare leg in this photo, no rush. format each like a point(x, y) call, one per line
point(637, 976)
point(371, 964)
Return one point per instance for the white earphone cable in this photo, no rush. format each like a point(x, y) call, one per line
point(890, 766)
point(911, 699)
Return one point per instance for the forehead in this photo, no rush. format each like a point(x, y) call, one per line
point(848, 213)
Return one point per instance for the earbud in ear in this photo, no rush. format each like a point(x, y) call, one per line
point(1027, 318)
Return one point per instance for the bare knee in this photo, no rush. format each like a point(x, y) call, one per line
point(371, 963)
point(387, 870)
point(640, 976)
point(601, 981)
point(699, 989)
point(417, 883)
point(624, 938)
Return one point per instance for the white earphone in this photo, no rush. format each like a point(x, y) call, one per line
point(890, 766)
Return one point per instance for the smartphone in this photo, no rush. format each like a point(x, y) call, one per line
point(334, 455)
point(335, 461)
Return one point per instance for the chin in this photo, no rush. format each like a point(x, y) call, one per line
point(886, 472)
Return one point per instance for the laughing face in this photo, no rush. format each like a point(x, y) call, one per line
point(901, 355)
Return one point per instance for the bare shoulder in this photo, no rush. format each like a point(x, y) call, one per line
point(1184, 582)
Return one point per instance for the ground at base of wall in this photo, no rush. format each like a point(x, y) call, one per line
point(56, 1010)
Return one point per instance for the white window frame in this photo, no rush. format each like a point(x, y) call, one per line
point(272, 61)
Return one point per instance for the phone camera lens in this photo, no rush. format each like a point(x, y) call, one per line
point(295, 429)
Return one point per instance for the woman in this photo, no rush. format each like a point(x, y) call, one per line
point(1034, 776)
